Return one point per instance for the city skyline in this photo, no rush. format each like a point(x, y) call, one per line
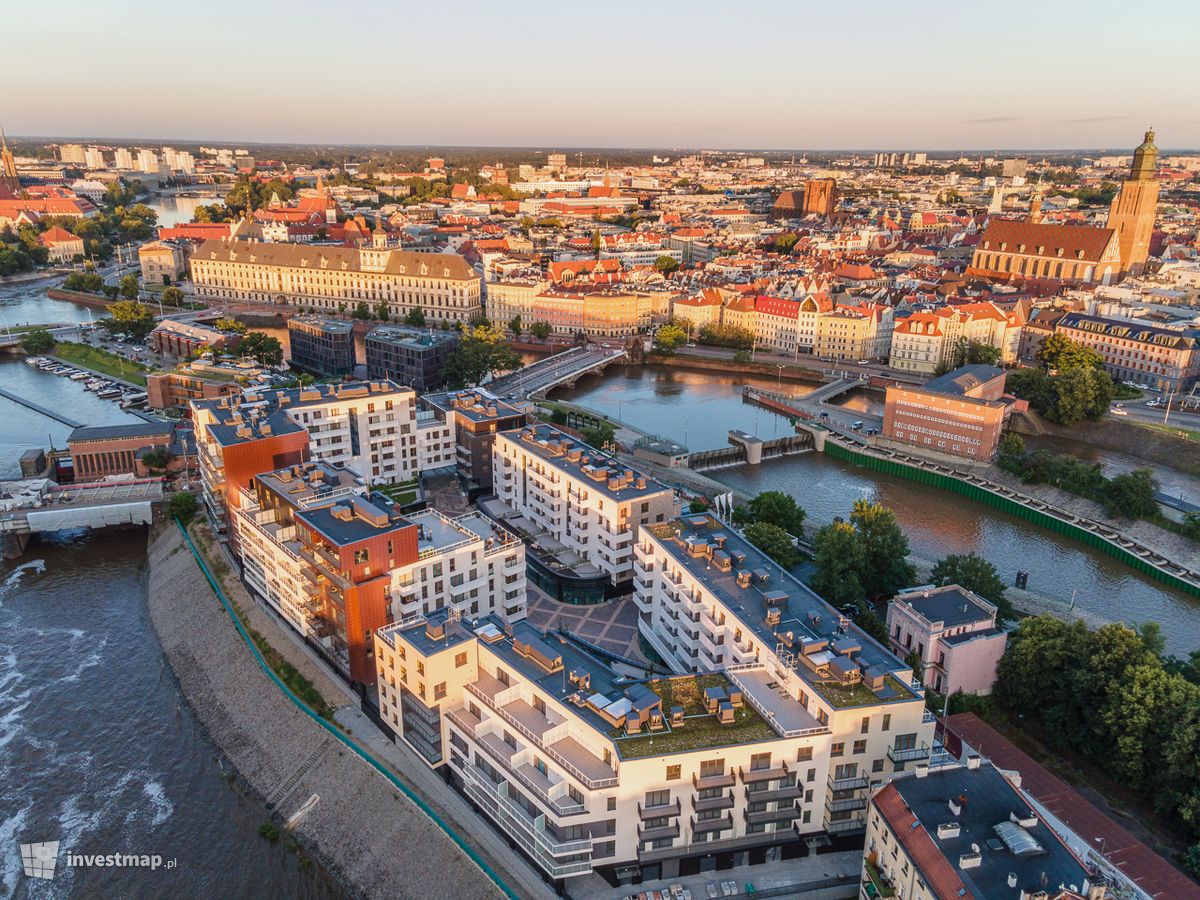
point(897, 74)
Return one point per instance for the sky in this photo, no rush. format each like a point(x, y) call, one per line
point(839, 74)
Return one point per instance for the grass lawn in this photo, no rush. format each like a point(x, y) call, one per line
point(402, 493)
point(842, 696)
point(1172, 430)
point(1125, 392)
point(699, 730)
point(100, 361)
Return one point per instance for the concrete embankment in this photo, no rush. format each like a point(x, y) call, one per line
point(361, 828)
point(790, 373)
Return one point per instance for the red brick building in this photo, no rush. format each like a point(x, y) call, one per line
point(101, 450)
point(959, 414)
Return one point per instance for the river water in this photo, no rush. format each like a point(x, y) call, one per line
point(699, 408)
point(98, 749)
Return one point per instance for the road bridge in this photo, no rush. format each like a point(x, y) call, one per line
point(564, 368)
point(31, 507)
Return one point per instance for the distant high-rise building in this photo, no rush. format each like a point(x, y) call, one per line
point(72, 153)
point(557, 161)
point(147, 161)
point(1134, 207)
point(93, 158)
point(1014, 168)
point(122, 159)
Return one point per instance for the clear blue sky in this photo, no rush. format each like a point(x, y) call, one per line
point(925, 74)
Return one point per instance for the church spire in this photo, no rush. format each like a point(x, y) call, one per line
point(1145, 158)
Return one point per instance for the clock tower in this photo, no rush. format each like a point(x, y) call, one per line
point(1133, 208)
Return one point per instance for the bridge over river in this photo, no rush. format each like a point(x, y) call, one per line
point(30, 507)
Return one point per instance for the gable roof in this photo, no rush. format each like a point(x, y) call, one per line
point(1075, 241)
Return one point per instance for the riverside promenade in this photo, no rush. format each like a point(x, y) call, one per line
point(376, 840)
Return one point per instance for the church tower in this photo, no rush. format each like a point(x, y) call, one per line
point(1134, 207)
point(10, 183)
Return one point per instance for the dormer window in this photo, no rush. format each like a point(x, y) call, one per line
point(1041, 249)
point(1020, 248)
point(1004, 245)
point(1079, 254)
point(1059, 252)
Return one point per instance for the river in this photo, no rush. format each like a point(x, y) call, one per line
point(699, 408)
point(98, 748)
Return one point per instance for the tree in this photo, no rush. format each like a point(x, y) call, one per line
point(1080, 393)
point(227, 323)
point(361, 311)
point(596, 243)
point(515, 326)
point(415, 317)
point(129, 287)
point(540, 330)
point(381, 311)
point(36, 341)
point(156, 458)
point(914, 662)
point(839, 558)
point(977, 575)
point(85, 282)
point(600, 435)
point(481, 352)
point(780, 509)
point(1130, 496)
point(1190, 526)
point(172, 296)
point(773, 541)
point(129, 318)
point(1012, 445)
point(887, 568)
point(1060, 352)
point(263, 348)
point(668, 339)
point(666, 264)
point(732, 336)
point(182, 506)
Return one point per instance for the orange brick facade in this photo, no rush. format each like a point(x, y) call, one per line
point(966, 426)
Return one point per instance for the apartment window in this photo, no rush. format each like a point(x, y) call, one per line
point(574, 793)
point(804, 754)
point(838, 749)
point(510, 740)
point(460, 660)
point(362, 556)
point(887, 721)
point(760, 761)
point(712, 767)
point(657, 798)
point(877, 766)
point(612, 803)
point(905, 742)
point(673, 773)
point(502, 676)
point(604, 849)
point(439, 690)
point(420, 667)
point(860, 747)
point(811, 775)
point(540, 705)
point(866, 724)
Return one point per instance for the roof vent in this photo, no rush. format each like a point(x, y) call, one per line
point(948, 830)
point(1029, 820)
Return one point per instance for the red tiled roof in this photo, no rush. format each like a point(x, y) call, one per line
point(1151, 872)
point(941, 877)
point(1071, 239)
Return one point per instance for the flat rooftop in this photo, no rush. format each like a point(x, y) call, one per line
point(589, 465)
point(318, 323)
point(310, 484)
point(412, 338)
point(353, 519)
point(804, 615)
point(985, 799)
point(474, 405)
point(951, 605)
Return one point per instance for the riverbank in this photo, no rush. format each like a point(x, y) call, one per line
point(777, 371)
point(362, 829)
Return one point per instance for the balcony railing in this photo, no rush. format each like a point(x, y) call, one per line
point(657, 812)
point(593, 783)
point(704, 804)
point(847, 805)
point(845, 825)
point(786, 814)
point(724, 780)
point(909, 755)
point(771, 774)
point(699, 826)
point(853, 783)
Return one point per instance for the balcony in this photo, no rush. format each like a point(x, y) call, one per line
point(909, 755)
point(771, 774)
point(873, 875)
point(657, 812)
point(761, 817)
point(702, 826)
point(662, 831)
point(853, 783)
point(791, 792)
point(724, 780)
point(847, 805)
point(845, 826)
point(707, 804)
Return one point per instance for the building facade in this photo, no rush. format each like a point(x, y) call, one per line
point(321, 346)
point(958, 414)
point(585, 500)
point(409, 356)
point(1165, 359)
point(337, 279)
point(953, 632)
point(1134, 207)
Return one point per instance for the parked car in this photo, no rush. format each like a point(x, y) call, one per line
point(857, 426)
point(1119, 411)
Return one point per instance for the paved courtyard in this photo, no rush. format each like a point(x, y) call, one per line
point(611, 625)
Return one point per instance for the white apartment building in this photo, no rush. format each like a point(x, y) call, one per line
point(468, 564)
point(72, 153)
point(709, 600)
point(93, 158)
point(436, 440)
point(147, 161)
point(442, 285)
point(122, 159)
point(584, 769)
point(589, 502)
